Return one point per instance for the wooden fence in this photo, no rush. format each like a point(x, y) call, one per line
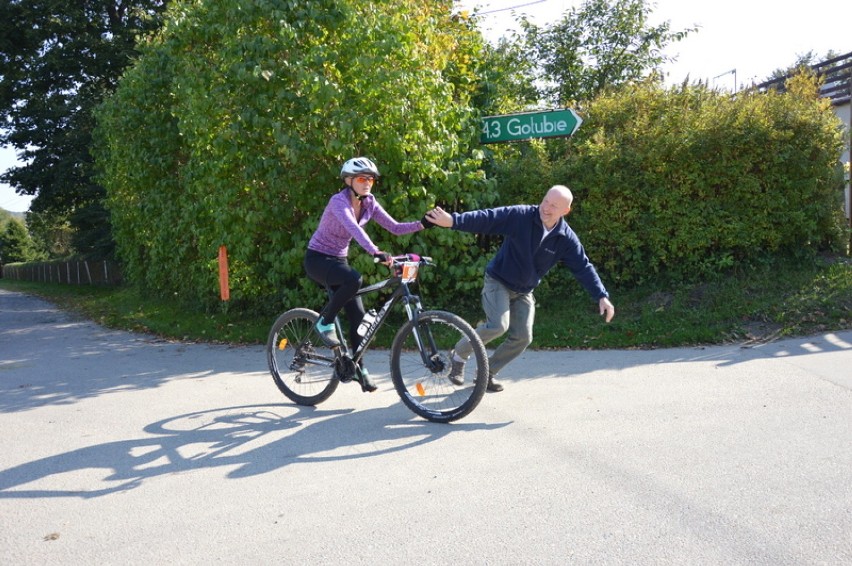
point(71, 272)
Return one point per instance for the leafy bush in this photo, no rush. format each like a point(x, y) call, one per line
point(231, 128)
point(692, 182)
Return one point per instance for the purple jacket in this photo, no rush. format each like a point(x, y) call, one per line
point(338, 225)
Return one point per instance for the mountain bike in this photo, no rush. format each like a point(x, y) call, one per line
point(308, 372)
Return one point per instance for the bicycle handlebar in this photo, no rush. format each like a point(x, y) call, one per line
point(398, 259)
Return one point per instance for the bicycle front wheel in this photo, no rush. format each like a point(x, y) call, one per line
point(421, 363)
point(302, 367)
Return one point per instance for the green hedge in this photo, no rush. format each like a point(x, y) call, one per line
point(691, 182)
point(232, 126)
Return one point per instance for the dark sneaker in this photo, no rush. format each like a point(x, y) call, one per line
point(367, 384)
point(456, 374)
point(494, 386)
point(327, 334)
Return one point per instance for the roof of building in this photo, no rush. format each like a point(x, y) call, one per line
point(837, 79)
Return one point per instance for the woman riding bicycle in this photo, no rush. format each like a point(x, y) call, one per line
point(343, 219)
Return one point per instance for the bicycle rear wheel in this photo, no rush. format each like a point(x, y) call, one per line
point(420, 366)
point(302, 367)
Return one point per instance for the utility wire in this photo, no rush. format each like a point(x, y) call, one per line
point(512, 7)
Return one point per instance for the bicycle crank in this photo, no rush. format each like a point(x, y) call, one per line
point(344, 369)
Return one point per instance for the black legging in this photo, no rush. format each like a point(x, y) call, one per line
point(336, 273)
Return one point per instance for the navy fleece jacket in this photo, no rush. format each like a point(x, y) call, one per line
point(524, 258)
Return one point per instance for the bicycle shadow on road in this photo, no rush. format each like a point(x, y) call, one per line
point(256, 439)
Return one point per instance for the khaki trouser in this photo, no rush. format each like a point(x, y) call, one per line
point(505, 311)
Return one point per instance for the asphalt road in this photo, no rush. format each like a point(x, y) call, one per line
point(121, 448)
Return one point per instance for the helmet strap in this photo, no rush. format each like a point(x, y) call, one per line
point(357, 196)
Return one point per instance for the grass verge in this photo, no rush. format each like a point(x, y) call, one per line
point(775, 301)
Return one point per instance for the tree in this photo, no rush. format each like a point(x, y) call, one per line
point(506, 79)
point(600, 44)
point(51, 234)
point(16, 244)
point(58, 60)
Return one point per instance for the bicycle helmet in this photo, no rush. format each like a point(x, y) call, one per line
point(359, 166)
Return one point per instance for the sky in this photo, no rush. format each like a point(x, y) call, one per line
point(749, 38)
point(738, 42)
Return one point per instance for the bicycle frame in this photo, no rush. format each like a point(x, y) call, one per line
point(401, 293)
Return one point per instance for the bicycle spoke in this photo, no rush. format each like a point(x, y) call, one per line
point(303, 369)
point(425, 386)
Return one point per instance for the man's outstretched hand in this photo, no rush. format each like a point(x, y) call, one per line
point(606, 308)
point(439, 217)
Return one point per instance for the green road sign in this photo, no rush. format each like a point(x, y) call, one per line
point(515, 127)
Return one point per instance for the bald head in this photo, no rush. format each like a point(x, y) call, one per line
point(561, 193)
point(556, 204)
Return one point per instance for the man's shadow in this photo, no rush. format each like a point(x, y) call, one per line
point(254, 439)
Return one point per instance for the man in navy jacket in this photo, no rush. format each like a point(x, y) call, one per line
point(535, 238)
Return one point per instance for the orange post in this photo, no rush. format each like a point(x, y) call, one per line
point(224, 290)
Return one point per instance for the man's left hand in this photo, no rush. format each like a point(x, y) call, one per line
point(606, 308)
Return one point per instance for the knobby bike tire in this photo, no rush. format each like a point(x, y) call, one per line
point(428, 392)
point(302, 367)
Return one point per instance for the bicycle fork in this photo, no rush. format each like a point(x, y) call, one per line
point(423, 336)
